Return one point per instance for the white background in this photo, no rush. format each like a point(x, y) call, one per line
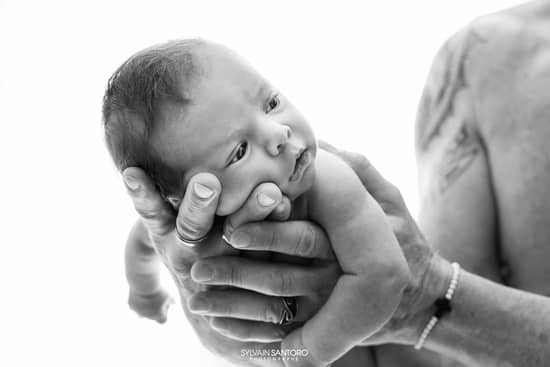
point(355, 69)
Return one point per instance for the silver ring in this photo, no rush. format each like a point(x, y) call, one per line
point(189, 242)
point(288, 313)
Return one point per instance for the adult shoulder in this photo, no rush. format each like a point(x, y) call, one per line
point(494, 72)
point(508, 67)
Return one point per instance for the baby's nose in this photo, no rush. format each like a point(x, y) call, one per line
point(279, 138)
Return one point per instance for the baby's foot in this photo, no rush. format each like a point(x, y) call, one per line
point(153, 306)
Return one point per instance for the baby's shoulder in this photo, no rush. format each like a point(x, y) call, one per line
point(332, 173)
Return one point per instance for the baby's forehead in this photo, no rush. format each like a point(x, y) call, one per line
point(223, 67)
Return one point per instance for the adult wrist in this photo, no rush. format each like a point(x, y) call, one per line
point(442, 307)
point(433, 286)
point(417, 304)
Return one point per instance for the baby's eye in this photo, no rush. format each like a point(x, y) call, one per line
point(273, 103)
point(240, 153)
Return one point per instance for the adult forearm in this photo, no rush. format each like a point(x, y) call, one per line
point(494, 325)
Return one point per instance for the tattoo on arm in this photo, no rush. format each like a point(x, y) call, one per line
point(446, 119)
point(447, 78)
point(457, 157)
point(437, 101)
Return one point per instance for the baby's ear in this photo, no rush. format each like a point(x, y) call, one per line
point(174, 201)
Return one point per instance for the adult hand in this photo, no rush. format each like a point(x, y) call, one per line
point(195, 220)
point(250, 309)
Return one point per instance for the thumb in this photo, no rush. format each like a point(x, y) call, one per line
point(155, 213)
point(198, 209)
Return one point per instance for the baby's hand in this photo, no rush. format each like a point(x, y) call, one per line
point(152, 306)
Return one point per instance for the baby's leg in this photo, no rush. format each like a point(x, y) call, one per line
point(146, 296)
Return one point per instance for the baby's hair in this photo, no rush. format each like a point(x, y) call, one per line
point(132, 102)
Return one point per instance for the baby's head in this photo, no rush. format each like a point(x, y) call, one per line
point(192, 106)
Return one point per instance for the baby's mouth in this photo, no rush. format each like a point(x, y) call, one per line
point(303, 159)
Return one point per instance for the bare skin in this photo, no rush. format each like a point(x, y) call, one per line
point(484, 158)
point(481, 150)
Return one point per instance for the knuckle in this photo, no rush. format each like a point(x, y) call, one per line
point(306, 241)
point(147, 213)
point(270, 313)
point(156, 219)
point(161, 248)
point(270, 241)
point(359, 160)
point(223, 308)
point(181, 268)
point(235, 276)
point(283, 283)
point(196, 205)
point(395, 194)
point(189, 227)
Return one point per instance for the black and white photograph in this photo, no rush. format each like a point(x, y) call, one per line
point(275, 183)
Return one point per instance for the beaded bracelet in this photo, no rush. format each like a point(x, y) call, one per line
point(442, 307)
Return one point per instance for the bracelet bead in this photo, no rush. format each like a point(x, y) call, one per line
point(442, 307)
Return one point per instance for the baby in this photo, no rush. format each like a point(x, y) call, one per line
point(192, 106)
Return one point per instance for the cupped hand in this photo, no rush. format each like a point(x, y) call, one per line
point(250, 309)
point(196, 219)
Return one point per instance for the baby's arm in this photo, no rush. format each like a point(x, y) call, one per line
point(146, 296)
point(370, 288)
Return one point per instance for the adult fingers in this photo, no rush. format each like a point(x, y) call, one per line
point(261, 202)
point(247, 331)
point(241, 304)
point(281, 211)
point(156, 214)
point(286, 280)
point(198, 208)
point(296, 238)
point(383, 191)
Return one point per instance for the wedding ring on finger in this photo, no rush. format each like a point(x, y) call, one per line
point(187, 241)
point(288, 313)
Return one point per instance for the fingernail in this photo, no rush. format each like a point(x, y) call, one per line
point(202, 191)
point(265, 200)
point(202, 273)
point(131, 182)
point(219, 324)
point(199, 305)
point(240, 239)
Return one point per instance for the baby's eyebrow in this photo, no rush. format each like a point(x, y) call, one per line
point(261, 92)
point(233, 135)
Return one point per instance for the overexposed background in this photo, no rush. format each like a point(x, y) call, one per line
point(354, 68)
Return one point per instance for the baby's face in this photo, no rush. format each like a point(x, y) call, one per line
point(241, 129)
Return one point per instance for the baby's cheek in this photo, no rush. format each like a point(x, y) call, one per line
point(232, 198)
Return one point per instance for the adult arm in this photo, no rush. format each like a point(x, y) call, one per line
point(481, 127)
point(457, 206)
